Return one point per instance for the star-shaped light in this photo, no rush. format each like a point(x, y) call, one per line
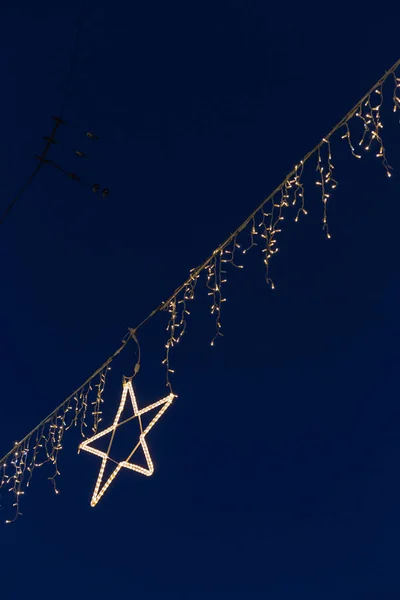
point(127, 388)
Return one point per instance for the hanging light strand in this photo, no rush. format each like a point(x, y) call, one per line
point(43, 444)
point(176, 327)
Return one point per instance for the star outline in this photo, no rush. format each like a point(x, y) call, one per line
point(165, 403)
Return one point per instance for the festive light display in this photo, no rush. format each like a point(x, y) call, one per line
point(259, 230)
point(127, 389)
point(43, 444)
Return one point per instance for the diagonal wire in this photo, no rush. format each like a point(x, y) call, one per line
point(243, 225)
point(21, 191)
point(131, 334)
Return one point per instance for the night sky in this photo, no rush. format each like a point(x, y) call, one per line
point(277, 468)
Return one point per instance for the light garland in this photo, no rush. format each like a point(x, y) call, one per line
point(261, 229)
point(43, 444)
point(127, 389)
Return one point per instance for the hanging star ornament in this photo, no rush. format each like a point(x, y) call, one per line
point(127, 389)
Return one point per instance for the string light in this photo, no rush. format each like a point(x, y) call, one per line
point(298, 191)
point(290, 193)
point(269, 228)
point(99, 400)
point(253, 234)
point(261, 228)
point(326, 182)
point(178, 310)
point(43, 445)
point(396, 98)
point(215, 280)
point(165, 403)
point(18, 462)
point(347, 136)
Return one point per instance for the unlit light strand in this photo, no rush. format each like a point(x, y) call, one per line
point(176, 327)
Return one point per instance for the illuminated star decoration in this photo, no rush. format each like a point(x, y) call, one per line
point(127, 387)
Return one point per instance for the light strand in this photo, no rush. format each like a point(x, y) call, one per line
point(176, 327)
point(43, 445)
point(290, 190)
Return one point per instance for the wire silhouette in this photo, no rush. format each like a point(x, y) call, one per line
point(50, 139)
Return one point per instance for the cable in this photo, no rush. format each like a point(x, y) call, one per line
point(89, 379)
point(35, 172)
point(131, 334)
point(51, 138)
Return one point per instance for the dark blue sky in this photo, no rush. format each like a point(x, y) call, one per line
point(277, 469)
